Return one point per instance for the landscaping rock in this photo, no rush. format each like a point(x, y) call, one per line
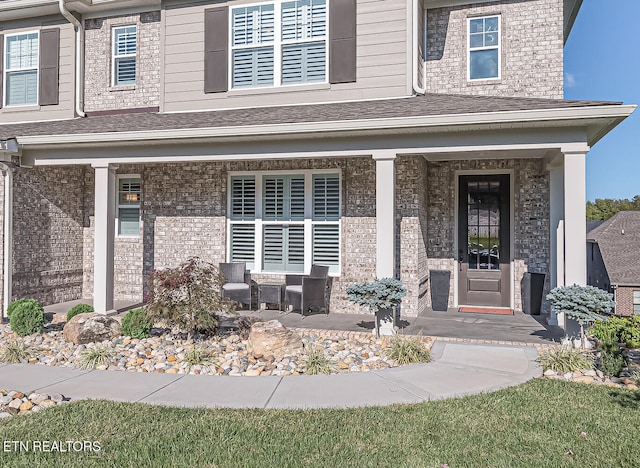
point(273, 338)
point(91, 328)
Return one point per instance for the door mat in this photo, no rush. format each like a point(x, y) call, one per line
point(485, 310)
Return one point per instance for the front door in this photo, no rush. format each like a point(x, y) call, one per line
point(484, 241)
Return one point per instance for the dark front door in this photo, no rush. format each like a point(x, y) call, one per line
point(484, 241)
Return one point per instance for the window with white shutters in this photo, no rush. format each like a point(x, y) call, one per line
point(285, 222)
point(279, 44)
point(21, 69)
point(128, 214)
point(125, 41)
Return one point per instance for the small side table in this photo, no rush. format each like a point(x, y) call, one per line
point(270, 293)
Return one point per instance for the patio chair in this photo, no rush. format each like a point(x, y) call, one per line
point(307, 291)
point(236, 284)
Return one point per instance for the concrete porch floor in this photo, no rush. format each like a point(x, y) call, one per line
point(519, 327)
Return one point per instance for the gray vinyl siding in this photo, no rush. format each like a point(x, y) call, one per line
point(381, 60)
point(64, 108)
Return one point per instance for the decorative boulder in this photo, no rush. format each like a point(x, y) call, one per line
point(90, 328)
point(273, 338)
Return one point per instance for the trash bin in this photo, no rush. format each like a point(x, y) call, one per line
point(532, 288)
point(440, 282)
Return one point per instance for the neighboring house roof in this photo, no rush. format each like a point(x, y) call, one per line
point(591, 225)
point(619, 241)
point(428, 106)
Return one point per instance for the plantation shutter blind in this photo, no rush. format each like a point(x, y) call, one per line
point(326, 210)
point(216, 37)
point(342, 41)
point(283, 244)
point(49, 67)
point(1, 68)
point(243, 208)
point(253, 31)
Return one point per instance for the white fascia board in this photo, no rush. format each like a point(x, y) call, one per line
point(368, 125)
point(8, 5)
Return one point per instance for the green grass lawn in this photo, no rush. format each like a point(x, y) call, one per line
point(534, 424)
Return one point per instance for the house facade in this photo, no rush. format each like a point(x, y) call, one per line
point(382, 138)
point(613, 260)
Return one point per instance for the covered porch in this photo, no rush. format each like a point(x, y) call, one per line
point(400, 177)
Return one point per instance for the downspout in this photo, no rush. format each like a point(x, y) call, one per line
point(415, 33)
point(79, 62)
point(8, 237)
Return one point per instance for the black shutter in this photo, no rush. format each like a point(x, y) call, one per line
point(342, 41)
point(216, 40)
point(2, 59)
point(49, 67)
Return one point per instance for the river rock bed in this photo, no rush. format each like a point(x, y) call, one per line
point(227, 354)
point(15, 402)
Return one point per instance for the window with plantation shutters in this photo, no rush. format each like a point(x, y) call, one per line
point(128, 214)
point(125, 40)
point(279, 43)
point(285, 222)
point(21, 69)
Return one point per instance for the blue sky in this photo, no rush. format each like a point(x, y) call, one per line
point(602, 62)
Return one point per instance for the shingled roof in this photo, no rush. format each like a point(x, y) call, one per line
point(619, 241)
point(427, 105)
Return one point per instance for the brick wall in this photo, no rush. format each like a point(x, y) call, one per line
point(531, 216)
point(47, 230)
point(532, 49)
point(624, 300)
point(100, 95)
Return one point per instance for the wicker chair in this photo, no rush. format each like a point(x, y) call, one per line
point(237, 284)
point(307, 291)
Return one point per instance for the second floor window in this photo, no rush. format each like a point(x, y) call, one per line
point(484, 48)
point(279, 43)
point(21, 69)
point(124, 55)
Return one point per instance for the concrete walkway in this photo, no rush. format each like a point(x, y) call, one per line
point(458, 369)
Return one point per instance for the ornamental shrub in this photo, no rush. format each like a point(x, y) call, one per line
point(135, 324)
point(19, 303)
point(79, 309)
point(619, 329)
point(188, 297)
point(27, 317)
point(383, 293)
point(584, 304)
point(610, 359)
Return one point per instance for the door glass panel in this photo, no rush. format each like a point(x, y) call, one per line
point(483, 225)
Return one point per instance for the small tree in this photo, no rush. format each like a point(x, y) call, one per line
point(188, 297)
point(584, 304)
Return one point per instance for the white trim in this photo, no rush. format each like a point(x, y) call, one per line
point(118, 206)
point(484, 48)
point(6, 70)
point(371, 125)
point(456, 214)
point(277, 44)
point(308, 221)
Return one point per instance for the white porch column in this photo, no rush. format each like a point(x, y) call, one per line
point(104, 223)
point(385, 214)
point(575, 218)
point(556, 231)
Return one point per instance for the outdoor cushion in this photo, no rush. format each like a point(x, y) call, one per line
point(235, 286)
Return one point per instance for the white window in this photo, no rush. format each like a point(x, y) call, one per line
point(285, 222)
point(484, 59)
point(636, 302)
point(21, 69)
point(279, 43)
point(128, 208)
point(124, 55)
